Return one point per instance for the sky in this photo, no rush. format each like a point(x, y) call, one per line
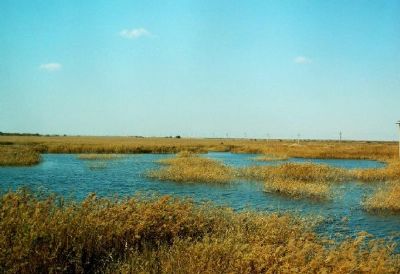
point(256, 69)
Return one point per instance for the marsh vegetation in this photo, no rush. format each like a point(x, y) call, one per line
point(96, 157)
point(162, 234)
point(189, 167)
point(128, 145)
point(271, 157)
point(166, 234)
point(18, 156)
point(385, 200)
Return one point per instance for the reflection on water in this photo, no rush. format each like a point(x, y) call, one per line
point(74, 178)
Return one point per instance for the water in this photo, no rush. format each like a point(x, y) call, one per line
point(74, 178)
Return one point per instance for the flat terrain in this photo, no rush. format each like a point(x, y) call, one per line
point(281, 148)
point(45, 233)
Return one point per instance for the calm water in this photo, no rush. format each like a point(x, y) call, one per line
point(75, 178)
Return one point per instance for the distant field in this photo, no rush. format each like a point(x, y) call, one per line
point(277, 148)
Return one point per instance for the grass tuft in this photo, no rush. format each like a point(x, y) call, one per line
point(389, 173)
point(298, 189)
point(271, 157)
point(305, 180)
point(99, 156)
point(385, 200)
point(188, 167)
point(18, 156)
point(295, 171)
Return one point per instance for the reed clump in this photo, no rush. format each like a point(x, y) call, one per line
point(389, 173)
point(386, 199)
point(189, 167)
point(18, 156)
point(165, 235)
point(305, 180)
point(96, 157)
point(295, 171)
point(271, 157)
point(298, 189)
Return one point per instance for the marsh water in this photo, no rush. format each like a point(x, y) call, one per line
point(74, 178)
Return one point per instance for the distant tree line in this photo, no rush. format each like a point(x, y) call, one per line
point(18, 134)
point(25, 134)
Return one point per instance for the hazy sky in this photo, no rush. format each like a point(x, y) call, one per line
point(201, 68)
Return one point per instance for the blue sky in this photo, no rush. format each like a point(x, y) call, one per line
point(201, 68)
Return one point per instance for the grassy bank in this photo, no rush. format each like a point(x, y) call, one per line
point(389, 173)
point(18, 156)
point(189, 167)
point(167, 235)
point(385, 200)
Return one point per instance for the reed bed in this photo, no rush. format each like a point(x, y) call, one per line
point(298, 189)
point(189, 167)
point(389, 173)
point(168, 235)
point(96, 157)
point(385, 200)
point(127, 145)
point(271, 157)
point(296, 180)
point(18, 156)
point(295, 171)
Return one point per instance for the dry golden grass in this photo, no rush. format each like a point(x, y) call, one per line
point(18, 156)
point(298, 189)
point(188, 167)
point(389, 173)
point(322, 149)
point(167, 235)
point(297, 180)
point(385, 200)
point(313, 180)
point(295, 171)
point(96, 157)
point(306, 149)
point(271, 157)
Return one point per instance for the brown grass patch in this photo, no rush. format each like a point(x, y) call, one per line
point(297, 180)
point(295, 171)
point(306, 149)
point(271, 157)
point(167, 235)
point(188, 167)
point(386, 199)
point(389, 173)
point(18, 156)
point(96, 157)
point(298, 189)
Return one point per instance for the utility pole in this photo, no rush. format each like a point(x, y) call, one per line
point(298, 138)
point(398, 123)
point(340, 137)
